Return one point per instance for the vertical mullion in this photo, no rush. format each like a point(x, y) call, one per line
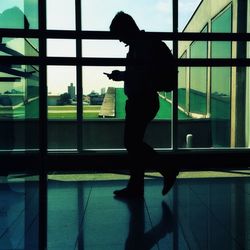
point(175, 113)
point(175, 92)
point(79, 76)
point(42, 127)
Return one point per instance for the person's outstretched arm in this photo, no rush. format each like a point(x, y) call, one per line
point(116, 75)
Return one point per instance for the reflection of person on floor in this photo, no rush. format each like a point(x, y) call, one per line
point(137, 239)
point(142, 104)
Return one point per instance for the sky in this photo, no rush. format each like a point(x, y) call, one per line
point(150, 15)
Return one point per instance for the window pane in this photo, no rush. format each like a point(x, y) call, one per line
point(182, 89)
point(61, 14)
point(194, 15)
point(103, 48)
point(154, 16)
point(218, 49)
point(61, 47)
point(186, 9)
point(19, 47)
point(104, 113)
point(193, 125)
point(220, 106)
point(198, 90)
point(207, 121)
point(198, 79)
point(19, 106)
point(62, 107)
point(225, 121)
point(19, 14)
point(223, 21)
point(97, 86)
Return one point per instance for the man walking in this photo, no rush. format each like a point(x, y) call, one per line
point(142, 104)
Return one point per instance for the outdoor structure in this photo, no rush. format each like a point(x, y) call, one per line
point(108, 104)
point(53, 100)
point(219, 95)
point(72, 91)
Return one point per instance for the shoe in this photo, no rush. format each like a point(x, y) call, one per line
point(169, 181)
point(129, 193)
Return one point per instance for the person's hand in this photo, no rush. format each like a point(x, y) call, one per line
point(107, 74)
point(116, 75)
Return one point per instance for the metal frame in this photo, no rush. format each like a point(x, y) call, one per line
point(87, 160)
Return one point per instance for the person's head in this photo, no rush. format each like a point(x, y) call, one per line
point(124, 26)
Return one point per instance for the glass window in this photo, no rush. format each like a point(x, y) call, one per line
point(104, 112)
point(102, 98)
point(182, 88)
point(61, 15)
point(153, 16)
point(220, 105)
point(62, 107)
point(19, 47)
point(186, 10)
point(194, 126)
point(61, 47)
point(19, 106)
point(223, 21)
point(103, 48)
point(198, 90)
point(19, 14)
point(221, 83)
point(198, 78)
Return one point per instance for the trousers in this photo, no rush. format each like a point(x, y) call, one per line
point(139, 113)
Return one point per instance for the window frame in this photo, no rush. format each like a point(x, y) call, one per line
point(43, 161)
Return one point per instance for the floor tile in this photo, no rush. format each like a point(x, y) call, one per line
point(198, 213)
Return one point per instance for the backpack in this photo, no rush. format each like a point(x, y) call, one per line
point(164, 68)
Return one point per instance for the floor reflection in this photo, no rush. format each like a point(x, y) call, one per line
point(18, 213)
point(137, 237)
point(198, 213)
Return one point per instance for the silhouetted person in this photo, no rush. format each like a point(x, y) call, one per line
point(142, 103)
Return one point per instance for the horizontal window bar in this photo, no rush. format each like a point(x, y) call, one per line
point(108, 35)
point(117, 61)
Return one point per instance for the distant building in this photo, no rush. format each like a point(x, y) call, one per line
point(72, 91)
point(52, 100)
point(103, 91)
point(95, 98)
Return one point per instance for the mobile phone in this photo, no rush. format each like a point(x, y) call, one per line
point(107, 74)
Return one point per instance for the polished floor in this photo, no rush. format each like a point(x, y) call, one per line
point(204, 210)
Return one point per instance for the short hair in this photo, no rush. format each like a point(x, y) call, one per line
point(123, 23)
